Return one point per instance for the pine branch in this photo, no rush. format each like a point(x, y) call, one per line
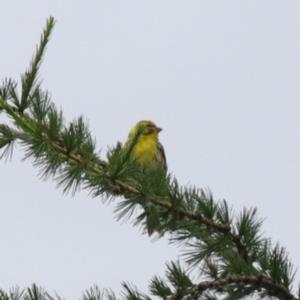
point(118, 185)
point(29, 79)
point(28, 124)
point(257, 282)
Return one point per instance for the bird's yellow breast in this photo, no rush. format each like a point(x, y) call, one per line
point(145, 151)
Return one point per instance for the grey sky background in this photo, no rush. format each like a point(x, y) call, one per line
point(222, 79)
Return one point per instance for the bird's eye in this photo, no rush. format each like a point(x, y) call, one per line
point(149, 129)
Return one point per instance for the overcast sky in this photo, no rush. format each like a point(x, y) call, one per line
point(223, 80)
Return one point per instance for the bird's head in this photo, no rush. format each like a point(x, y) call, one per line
point(145, 128)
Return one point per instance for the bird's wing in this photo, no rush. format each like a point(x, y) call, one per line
point(162, 156)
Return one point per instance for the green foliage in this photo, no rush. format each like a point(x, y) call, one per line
point(29, 80)
point(8, 91)
point(7, 137)
point(38, 293)
point(132, 293)
point(32, 293)
point(228, 250)
point(94, 293)
point(158, 287)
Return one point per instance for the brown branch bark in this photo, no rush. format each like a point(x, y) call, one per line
point(258, 282)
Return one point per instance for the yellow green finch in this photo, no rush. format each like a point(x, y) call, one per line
point(147, 151)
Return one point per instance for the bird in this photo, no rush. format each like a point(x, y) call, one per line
point(146, 150)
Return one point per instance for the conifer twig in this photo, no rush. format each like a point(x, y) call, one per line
point(259, 282)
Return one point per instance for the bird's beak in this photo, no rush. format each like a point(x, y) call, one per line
point(158, 129)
